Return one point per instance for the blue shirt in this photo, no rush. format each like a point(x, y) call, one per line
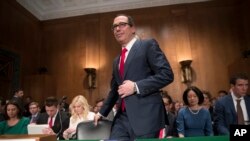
point(192, 124)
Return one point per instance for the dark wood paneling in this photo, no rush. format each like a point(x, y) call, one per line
point(207, 33)
point(20, 33)
point(210, 33)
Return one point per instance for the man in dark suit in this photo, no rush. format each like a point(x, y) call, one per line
point(138, 75)
point(171, 129)
point(18, 96)
point(34, 110)
point(225, 112)
point(57, 120)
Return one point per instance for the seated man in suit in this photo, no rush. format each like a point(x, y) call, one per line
point(18, 96)
point(34, 109)
point(227, 112)
point(170, 130)
point(57, 120)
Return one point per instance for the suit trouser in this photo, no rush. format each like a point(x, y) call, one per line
point(123, 131)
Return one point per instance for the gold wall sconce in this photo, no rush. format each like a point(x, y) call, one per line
point(186, 71)
point(91, 77)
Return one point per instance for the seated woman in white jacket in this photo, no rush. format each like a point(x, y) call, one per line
point(80, 111)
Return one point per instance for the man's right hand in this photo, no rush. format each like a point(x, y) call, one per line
point(97, 118)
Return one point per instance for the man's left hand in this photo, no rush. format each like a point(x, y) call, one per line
point(127, 88)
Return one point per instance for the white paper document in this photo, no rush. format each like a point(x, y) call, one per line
point(36, 128)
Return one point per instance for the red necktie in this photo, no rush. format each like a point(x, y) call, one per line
point(122, 61)
point(121, 71)
point(51, 122)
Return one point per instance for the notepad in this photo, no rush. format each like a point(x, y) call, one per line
point(36, 128)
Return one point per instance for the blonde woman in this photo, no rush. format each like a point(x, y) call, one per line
point(79, 109)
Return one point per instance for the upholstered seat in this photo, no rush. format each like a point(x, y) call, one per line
point(87, 130)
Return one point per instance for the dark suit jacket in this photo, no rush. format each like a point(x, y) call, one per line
point(61, 122)
point(35, 119)
point(20, 103)
point(146, 65)
point(171, 129)
point(225, 114)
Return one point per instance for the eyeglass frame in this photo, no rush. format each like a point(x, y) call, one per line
point(120, 25)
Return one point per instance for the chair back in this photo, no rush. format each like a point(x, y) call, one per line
point(86, 130)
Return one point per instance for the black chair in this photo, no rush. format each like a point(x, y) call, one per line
point(86, 130)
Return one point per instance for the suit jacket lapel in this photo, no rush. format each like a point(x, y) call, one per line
point(130, 56)
point(247, 102)
point(116, 70)
point(232, 107)
point(57, 124)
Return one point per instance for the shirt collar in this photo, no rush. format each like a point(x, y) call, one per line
point(130, 44)
point(35, 115)
point(236, 98)
point(55, 114)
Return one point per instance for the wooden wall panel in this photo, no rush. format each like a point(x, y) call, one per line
point(64, 57)
point(70, 47)
point(20, 33)
point(92, 56)
point(215, 45)
point(39, 86)
point(245, 23)
point(209, 33)
point(109, 49)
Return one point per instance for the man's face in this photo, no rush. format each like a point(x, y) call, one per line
point(240, 88)
point(206, 99)
point(51, 111)
point(167, 104)
point(221, 95)
point(123, 32)
point(20, 93)
point(99, 105)
point(34, 109)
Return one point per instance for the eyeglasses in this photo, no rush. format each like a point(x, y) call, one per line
point(120, 25)
point(33, 107)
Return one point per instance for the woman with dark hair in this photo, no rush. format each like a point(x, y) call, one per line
point(193, 120)
point(15, 123)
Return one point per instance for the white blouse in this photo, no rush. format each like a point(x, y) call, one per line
point(73, 124)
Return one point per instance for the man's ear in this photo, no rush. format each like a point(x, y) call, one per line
point(133, 29)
